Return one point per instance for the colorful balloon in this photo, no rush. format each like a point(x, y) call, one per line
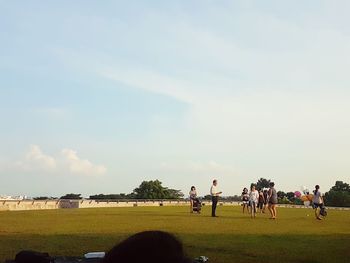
point(304, 198)
point(297, 194)
point(310, 197)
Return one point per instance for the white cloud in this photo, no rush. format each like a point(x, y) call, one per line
point(36, 160)
point(77, 165)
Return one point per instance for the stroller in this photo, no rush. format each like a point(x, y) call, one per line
point(197, 205)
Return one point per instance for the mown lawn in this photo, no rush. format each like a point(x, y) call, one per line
point(232, 237)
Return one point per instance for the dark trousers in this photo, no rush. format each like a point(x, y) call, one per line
point(214, 200)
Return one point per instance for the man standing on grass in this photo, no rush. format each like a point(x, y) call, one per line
point(214, 197)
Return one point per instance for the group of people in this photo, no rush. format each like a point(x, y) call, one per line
point(256, 200)
point(260, 199)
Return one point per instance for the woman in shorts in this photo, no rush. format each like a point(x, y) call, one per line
point(317, 201)
point(272, 194)
point(245, 200)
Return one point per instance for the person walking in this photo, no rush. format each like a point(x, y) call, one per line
point(317, 201)
point(272, 195)
point(261, 201)
point(214, 197)
point(193, 196)
point(253, 201)
point(245, 200)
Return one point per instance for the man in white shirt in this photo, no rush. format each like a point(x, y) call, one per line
point(214, 197)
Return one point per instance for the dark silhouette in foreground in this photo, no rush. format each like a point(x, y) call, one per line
point(148, 246)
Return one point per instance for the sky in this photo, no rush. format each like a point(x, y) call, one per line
point(96, 97)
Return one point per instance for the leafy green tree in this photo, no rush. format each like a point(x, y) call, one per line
point(290, 196)
point(338, 195)
point(71, 196)
point(341, 187)
point(207, 197)
point(44, 198)
point(263, 183)
point(111, 196)
point(281, 194)
point(155, 190)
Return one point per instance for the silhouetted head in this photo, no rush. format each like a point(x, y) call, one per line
point(193, 188)
point(272, 184)
point(245, 190)
point(215, 182)
point(148, 246)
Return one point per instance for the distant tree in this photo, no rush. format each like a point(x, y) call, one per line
point(71, 196)
point(290, 196)
point(44, 198)
point(235, 198)
point(263, 183)
point(155, 190)
point(284, 200)
point(207, 197)
point(281, 195)
point(41, 198)
point(111, 196)
point(340, 186)
point(338, 195)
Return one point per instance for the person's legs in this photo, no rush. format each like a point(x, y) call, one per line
point(253, 207)
point(214, 203)
point(274, 209)
point(270, 209)
point(317, 212)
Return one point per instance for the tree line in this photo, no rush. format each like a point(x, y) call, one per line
point(338, 195)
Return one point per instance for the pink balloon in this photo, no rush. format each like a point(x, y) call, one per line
point(297, 194)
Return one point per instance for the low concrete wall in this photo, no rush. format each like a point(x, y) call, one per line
point(15, 205)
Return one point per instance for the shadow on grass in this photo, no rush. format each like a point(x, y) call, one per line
point(220, 248)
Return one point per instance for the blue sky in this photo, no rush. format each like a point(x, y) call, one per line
point(96, 97)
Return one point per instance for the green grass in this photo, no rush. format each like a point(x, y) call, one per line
point(233, 237)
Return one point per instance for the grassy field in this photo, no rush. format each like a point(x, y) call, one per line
point(232, 237)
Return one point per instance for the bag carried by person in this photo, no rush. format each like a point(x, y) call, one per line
point(323, 211)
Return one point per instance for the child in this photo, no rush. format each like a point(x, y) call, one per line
point(245, 199)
